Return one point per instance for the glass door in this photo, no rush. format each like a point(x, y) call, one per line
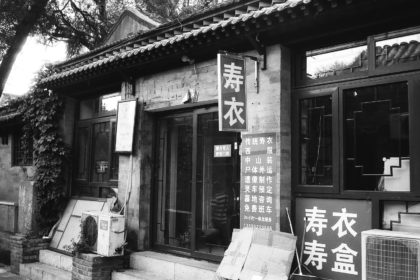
point(174, 182)
point(197, 194)
point(217, 186)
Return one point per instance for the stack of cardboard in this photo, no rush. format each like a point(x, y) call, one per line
point(256, 254)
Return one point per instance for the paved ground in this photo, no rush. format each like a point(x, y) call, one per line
point(6, 275)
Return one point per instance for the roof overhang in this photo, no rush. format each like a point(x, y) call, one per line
point(290, 23)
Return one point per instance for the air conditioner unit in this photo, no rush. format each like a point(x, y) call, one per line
point(390, 255)
point(104, 232)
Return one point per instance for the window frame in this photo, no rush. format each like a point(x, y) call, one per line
point(17, 144)
point(413, 82)
point(301, 65)
point(297, 97)
point(410, 94)
point(372, 71)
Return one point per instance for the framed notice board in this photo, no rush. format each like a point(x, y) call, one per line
point(126, 118)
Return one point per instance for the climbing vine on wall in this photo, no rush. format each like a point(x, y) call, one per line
point(41, 112)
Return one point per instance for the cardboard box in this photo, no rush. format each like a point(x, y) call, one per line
point(258, 255)
point(235, 256)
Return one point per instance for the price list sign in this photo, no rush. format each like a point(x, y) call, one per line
point(258, 180)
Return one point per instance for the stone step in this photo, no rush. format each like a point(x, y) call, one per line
point(55, 259)
point(42, 271)
point(133, 274)
point(172, 267)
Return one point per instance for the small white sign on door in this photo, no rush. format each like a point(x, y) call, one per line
point(222, 151)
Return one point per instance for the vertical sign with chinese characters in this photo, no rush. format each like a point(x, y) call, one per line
point(232, 95)
point(258, 180)
point(332, 247)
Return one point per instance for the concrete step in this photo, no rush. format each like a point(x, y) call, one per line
point(42, 271)
point(133, 274)
point(55, 259)
point(172, 267)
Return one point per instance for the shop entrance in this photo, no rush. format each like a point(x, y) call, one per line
point(197, 185)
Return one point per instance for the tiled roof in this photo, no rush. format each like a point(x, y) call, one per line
point(137, 47)
point(12, 117)
point(5, 99)
point(386, 55)
point(396, 53)
point(8, 113)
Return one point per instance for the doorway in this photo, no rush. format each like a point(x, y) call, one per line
point(197, 185)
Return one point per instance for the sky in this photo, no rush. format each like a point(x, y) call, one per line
point(30, 59)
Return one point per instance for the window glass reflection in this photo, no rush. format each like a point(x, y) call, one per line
point(109, 103)
point(217, 187)
point(376, 135)
point(174, 182)
point(99, 106)
point(328, 63)
point(316, 141)
point(397, 50)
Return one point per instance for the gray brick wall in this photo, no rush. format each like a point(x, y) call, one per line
point(95, 267)
point(269, 111)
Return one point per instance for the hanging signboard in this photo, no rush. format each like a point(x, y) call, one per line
point(126, 118)
point(232, 95)
point(258, 180)
point(332, 247)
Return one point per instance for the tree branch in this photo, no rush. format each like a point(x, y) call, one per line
point(24, 27)
point(84, 15)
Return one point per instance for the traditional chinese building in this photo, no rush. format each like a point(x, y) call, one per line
point(244, 110)
point(16, 172)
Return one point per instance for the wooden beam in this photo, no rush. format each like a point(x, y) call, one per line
point(305, 9)
point(260, 48)
point(267, 20)
point(291, 13)
point(333, 3)
point(280, 18)
point(318, 6)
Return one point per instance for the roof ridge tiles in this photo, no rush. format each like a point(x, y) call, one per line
point(172, 24)
point(149, 43)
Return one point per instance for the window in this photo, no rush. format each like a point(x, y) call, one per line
point(376, 138)
point(372, 56)
point(20, 157)
point(95, 158)
point(359, 144)
point(336, 61)
point(316, 141)
point(397, 50)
